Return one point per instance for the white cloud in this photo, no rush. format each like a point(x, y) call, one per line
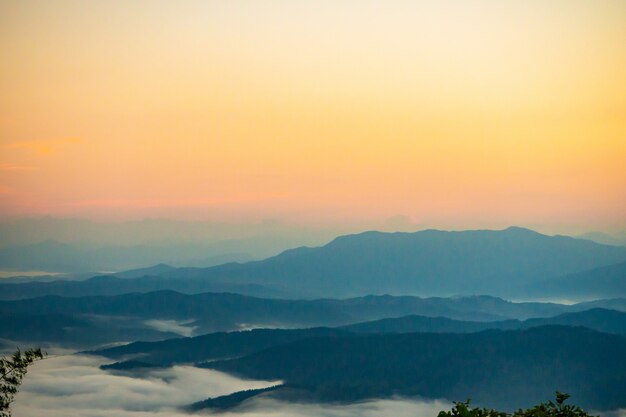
point(182, 328)
point(398, 407)
point(74, 386)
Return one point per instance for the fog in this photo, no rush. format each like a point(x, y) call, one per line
point(183, 328)
point(73, 386)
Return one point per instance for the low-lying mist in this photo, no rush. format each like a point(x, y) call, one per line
point(73, 386)
point(183, 328)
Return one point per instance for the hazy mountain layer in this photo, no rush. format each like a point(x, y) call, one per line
point(423, 263)
point(603, 282)
point(234, 344)
point(74, 245)
point(75, 331)
point(80, 320)
point(107, 285)
point(429, 262)
point(55, 256)
point(230, 310)
point(603, 320)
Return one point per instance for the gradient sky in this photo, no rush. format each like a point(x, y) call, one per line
point(451, 112)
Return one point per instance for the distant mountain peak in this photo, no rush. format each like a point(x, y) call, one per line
point(518, 229)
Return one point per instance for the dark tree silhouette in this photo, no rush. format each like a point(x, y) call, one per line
point(12, 371)
point(549, 409)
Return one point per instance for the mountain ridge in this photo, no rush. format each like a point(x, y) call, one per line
point(222, 345)
point(503, 369)
point(430, 262)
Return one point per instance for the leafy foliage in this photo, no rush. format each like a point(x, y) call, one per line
point(558, 409)
point(12, 371)
point(464, 409)
point(549, 409)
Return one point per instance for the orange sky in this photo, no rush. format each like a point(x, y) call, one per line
point(451, 112)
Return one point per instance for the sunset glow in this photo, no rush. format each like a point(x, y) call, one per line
point(450, 112)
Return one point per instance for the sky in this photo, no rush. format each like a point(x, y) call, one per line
point(452, 113)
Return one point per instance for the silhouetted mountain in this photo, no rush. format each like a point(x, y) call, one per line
point(599, 319)
point(618, 304)
point(235, 344)
point(211, 312)
point(54, 256)
point(603, 282)
point(48, 255)
point(224, 311)
point(226, 402)
point(213, 346)
point(617, 239)
point(421, 324)
point(108, 285)
point(171, 312)
point(427, 263)
point(159, 270)
point(603, 320)
point(75, 331)
point(260, 239)
point(501, 369)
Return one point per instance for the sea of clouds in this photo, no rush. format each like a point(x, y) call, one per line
point(74, 386)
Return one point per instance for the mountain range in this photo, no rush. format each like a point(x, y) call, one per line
point(55, 256)
point(595, 283)
point(513, 262)
point(600, 319)
point(226, 345)
point(497, 369)
point(371, 315)
point(92, 321)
